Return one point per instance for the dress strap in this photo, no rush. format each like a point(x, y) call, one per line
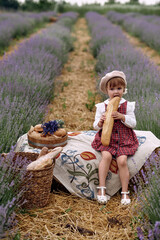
point(123, 108)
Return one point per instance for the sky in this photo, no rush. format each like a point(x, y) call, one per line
point(81, 2)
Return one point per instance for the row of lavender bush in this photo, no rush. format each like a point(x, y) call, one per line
point(27, 78)
point(146, 28)
point(27, 84)
point(14, 25)
point(113, 51)
point(146, 186)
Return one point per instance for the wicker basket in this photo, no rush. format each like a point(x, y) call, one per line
point(37, 184)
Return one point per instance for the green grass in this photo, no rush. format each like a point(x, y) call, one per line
point(123, 8)
point(91, 100)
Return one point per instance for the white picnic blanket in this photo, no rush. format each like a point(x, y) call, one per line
point(77, 165)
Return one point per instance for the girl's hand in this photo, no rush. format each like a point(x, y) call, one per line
point(118, 116)
point(101, 121)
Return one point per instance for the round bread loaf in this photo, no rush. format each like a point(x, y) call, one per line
point(38, 128)
point(60, 132)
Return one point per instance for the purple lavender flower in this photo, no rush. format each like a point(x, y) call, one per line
point(13, 171)
point(50, 127)
point(150, 235)
point(140, 233)
point(157, 230)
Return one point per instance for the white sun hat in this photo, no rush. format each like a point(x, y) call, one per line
point(109, 76)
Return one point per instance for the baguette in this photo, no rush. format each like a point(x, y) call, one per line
point(44, 160)
point(108, 123)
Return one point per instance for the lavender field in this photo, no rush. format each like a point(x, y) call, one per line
point(113, 51)
point(28, 76)
point(15, 25)
point(146, 28)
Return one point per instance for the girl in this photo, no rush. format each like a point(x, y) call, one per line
point(123, 139)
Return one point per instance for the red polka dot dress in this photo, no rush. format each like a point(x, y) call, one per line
point(123, 139)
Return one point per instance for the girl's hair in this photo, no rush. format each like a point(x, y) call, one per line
point(116, 81)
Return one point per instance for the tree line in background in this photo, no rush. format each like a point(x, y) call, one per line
point(43, 5)
point(28, 5)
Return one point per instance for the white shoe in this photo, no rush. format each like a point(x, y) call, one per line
point(103, 198)
point(125, 200)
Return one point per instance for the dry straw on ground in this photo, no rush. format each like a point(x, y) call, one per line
point(69, 217)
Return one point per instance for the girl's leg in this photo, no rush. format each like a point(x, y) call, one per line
point(104, 168)
point(123, 173)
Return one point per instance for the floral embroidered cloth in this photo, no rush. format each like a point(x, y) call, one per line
point(77, 165)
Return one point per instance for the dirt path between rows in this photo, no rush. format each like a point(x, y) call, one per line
point(77, 78)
